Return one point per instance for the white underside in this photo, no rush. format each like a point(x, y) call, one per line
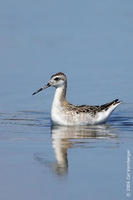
point(60, 117)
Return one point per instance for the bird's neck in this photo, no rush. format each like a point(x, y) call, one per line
point(60, 95)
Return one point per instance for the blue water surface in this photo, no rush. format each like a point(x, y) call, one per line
point(92, 43)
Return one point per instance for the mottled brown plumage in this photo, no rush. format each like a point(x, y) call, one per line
point(89, 109)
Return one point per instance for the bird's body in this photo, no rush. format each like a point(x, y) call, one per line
point(66, 114)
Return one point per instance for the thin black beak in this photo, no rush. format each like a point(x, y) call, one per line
point(46, 86)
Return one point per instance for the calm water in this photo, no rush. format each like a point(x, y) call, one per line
point(92, 42)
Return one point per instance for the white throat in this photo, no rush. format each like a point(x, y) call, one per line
point(57, 105)
point(59, 96)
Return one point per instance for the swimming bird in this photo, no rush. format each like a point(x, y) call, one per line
point(66, 114)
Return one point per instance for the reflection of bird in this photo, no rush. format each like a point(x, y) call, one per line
point(64, 137)
point(64, 113)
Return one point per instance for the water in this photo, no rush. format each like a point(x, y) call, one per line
point(90, 41)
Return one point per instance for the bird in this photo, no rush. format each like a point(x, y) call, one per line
point(64, 113)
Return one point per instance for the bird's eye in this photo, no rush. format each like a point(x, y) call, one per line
point(56, 79)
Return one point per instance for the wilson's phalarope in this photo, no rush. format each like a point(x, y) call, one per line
point(64, 113)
